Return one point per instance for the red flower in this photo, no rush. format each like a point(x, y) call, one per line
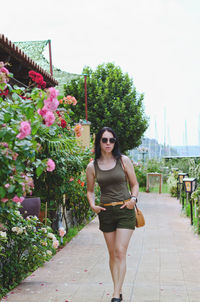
point(63, 123)
point(79, 181)
point(38, 78)
point(32, 74)
point(44, 84)
point(5, 92)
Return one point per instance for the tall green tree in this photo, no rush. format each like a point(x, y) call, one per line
point(112, 101)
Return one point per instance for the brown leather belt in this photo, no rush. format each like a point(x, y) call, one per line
point(115, 203)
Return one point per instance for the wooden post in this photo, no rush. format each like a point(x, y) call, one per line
point(160, 181)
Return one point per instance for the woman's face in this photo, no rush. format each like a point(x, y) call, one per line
point(107, 142)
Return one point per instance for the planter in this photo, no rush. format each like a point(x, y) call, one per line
point(30, 206)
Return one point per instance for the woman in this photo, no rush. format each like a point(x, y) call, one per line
point(116, 210)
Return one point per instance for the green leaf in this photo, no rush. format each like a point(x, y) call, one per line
point(2, 192)
point(39, 171)
point(11, 189)
point(35, 128)
point(16, 97)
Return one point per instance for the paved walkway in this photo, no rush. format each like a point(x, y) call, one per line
point(163, 262)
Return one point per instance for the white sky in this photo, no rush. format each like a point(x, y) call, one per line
point(156, 41)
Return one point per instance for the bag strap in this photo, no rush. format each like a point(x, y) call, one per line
point(126, 176)
point(123, 168)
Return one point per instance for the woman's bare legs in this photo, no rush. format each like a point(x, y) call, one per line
point(117, 243)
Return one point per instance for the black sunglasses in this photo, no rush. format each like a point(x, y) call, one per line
point(112, 140)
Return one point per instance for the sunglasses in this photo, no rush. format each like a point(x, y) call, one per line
point(111, 140)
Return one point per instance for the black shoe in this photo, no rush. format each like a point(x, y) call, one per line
point(116, 300)
point(120, 296)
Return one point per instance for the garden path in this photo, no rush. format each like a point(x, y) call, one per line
point(163, 262)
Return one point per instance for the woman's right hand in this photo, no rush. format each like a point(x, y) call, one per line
point(98, 209)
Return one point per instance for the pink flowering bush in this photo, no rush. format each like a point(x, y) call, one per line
point(38, 156)
point(32, 110)
point(23, 245)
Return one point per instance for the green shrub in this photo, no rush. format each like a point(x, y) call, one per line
point(25, 244)
point(172, 183)
point(140, 172)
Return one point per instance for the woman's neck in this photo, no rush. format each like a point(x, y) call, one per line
point(106, 156)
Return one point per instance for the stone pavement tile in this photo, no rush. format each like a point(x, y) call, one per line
point(174, 292)
point(147, 276)
point(145, 292)
point(46, 293)
point(171, 275)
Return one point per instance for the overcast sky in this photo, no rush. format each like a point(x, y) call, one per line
point(156, 42)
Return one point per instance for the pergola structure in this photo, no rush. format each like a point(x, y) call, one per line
point(21, 64)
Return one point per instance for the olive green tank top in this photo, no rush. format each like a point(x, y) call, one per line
point(112, 182)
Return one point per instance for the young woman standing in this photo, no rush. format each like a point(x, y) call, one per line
point(116, 211)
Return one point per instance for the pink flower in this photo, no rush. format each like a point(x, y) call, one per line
point(49, 118)
point(55, 244)
point(17, 199)
point(7, 186)
point(53, 92)
point(74, 101)
point(50, 165)
point(15, 155)
point(4, 199)
point(71, 179)
point(25, 130)
point(51, 104)
point(4, 70)
point(61, 231)
point(42, 111)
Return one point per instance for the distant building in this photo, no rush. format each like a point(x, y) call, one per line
point(149, 149)
point(188, 150)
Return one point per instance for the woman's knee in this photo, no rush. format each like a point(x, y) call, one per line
point(112, 253)
point(120, 253)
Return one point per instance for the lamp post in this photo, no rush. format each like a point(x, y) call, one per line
point(143, 151)
point(190, 186)
point(50, 58)
point(86, 114)
point(180, 183)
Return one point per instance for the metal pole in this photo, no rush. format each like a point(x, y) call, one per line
point(191, 209)
point(183, 202)
point(86, 114)
point(50, 58)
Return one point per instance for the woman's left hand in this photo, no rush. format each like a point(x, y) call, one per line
point(129, 204)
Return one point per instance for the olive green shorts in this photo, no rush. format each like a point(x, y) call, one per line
point(114, 217)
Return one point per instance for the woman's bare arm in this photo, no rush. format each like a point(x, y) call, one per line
point(130, 173)
point(90, 174)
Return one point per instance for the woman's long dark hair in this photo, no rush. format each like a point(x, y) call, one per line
point(116, 153)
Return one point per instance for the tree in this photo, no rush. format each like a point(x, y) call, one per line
point(112, 101)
